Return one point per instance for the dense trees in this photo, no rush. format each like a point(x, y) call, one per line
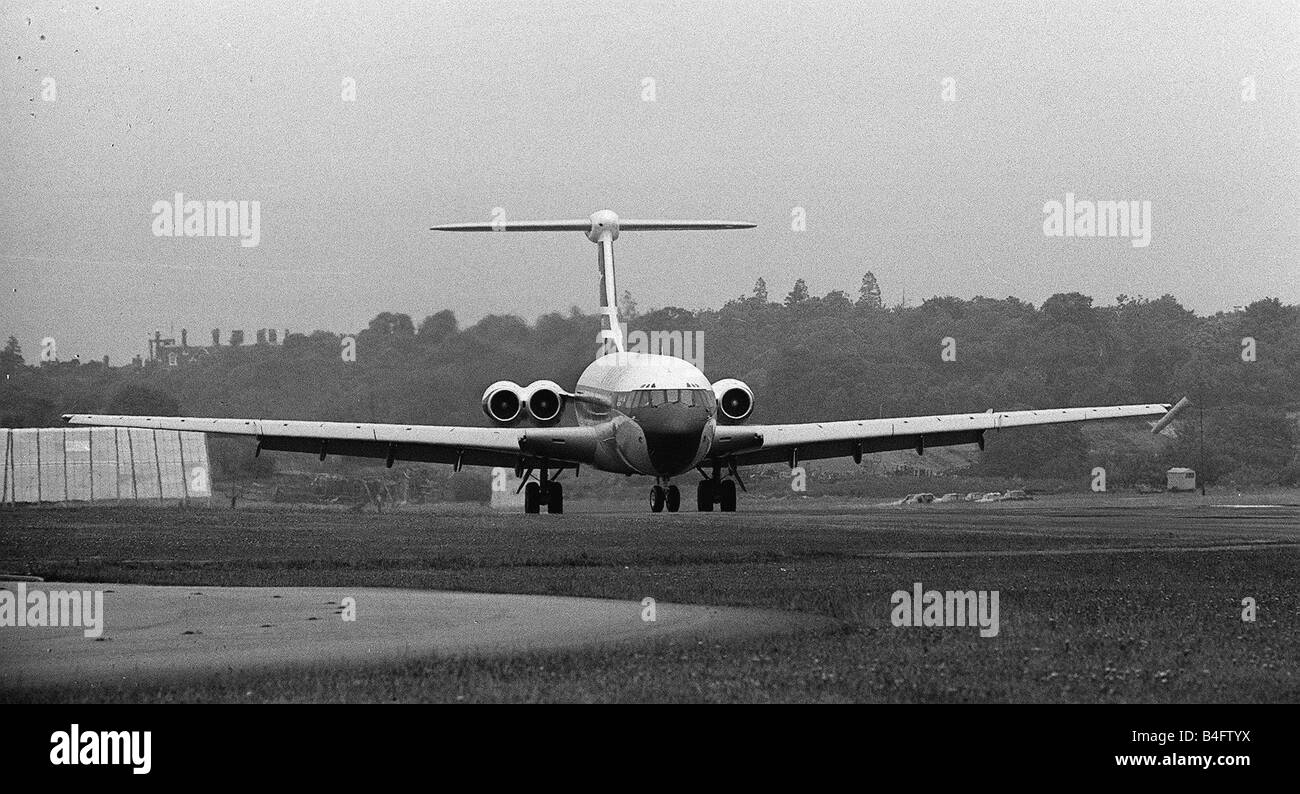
point(11, 357)
point(869, 293)
point(137, 399)
point(806, 358)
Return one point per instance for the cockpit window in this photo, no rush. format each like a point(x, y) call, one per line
point(645, 398)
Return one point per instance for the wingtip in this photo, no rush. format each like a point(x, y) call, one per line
point(1171, 412)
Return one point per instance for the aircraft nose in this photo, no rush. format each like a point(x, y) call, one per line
point(672, 433)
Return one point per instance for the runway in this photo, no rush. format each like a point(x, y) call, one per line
point(165, 631)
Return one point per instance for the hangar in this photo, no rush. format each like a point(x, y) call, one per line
point(104, 464)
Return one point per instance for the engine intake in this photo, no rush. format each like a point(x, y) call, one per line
point(735, 400)
point(544, 400)
point(503, 402)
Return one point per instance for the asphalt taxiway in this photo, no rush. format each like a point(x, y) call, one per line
point(161, 631)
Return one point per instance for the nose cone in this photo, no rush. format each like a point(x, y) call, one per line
point(672, 435)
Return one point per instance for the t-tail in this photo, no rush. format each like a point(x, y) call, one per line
point(602, 228)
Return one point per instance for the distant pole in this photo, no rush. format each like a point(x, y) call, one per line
point(130, 450)
point(1202, 462)
point(5, 490)
point(117, 460)
point(185, 480)
point(157, 461)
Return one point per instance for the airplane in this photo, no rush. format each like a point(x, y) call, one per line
point(637, 414)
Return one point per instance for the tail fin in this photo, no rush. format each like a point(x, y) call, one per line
point(601, 228)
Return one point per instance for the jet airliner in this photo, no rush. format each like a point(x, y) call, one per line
point(636, 413)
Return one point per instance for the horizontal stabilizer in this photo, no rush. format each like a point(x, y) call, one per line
point(583, 225)
point(580, 225)
point(633, 225)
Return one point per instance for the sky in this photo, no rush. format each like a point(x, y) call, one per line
point(920, 141)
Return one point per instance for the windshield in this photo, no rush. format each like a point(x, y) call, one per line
point(653, 398)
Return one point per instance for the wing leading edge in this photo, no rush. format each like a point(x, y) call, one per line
point(560, 447)
point(812, 440)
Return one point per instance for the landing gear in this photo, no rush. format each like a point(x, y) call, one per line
point(715, 490)
point(727, 496)
point(661, 497)
point(544, 492)
point(704, 496)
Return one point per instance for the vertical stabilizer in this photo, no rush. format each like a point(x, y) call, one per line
point(601, 228)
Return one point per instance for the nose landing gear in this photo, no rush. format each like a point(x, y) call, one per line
point(661, 497)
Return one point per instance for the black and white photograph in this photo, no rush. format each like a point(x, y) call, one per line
point(650, 352)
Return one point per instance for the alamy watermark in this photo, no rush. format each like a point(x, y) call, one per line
point(181, 218)
point(92, 748)
point(36, 608)
point(686, 345)
point(1086, 218)
point(948, 608)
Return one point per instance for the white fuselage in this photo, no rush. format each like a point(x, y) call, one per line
point(656, 413)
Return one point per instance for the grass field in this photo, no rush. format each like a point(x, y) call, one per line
point(1100, 600)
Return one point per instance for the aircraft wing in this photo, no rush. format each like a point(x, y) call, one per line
point(751, 444)
point(561, 447)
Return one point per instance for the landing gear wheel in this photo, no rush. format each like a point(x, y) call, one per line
point(727, 496)
point(555, 498)
point(532, 498)
point(657, 497)
point(673, 499)
point(704, 496)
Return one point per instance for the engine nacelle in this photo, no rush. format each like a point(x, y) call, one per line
point(503, 402)
point(544, 400)
point(735, 401)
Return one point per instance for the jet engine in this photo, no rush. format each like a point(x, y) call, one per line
point(503, 402)
point(544, 400)
point(735, 400)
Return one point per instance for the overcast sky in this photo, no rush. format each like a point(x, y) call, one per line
point(540, 108)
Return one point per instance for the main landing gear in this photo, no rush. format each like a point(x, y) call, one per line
point(716, 491)
point(544, 491)
point(661, 497)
